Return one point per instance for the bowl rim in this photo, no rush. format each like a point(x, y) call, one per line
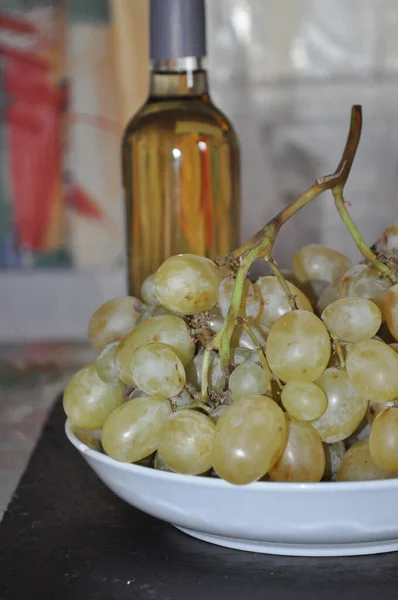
point(213, 482)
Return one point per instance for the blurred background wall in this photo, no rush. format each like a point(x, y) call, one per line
point(71, 75)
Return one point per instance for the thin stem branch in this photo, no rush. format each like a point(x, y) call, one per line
point(285, 286)
point(358, 239)
point(205, 375)
point(339, 348)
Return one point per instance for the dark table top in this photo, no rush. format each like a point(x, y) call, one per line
point(65, 536)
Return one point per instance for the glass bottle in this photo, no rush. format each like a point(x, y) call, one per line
point(180, 153)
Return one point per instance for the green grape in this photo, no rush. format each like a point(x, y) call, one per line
point(251, 302)
point(194, 370)
point(394, 347)
point(303, 458)
point(152, 310)
point(160, 465)
point(319, 262)
point(391, 310)
point(148, 291)
point(352, 319)
point(250, 436)
point(217, 379)
point(113, 320)
point(156, 369)
point(328, 295)
point(187, 283)
point(345, 410)
point(241, 339)
point(383, 439)
point(247, 379)
point(216, 413)
point(374, 408)
point(105, 364)
point(88, 400)
point(334, 454)
point(358, 465)
point(391, 239)
point(298, 346)
point(313, 290)
point(304, 400)
point(372, 367)
point(186, 442)
point(364, 281)
point(275, 301)
point(165, 329)
point(132, 431)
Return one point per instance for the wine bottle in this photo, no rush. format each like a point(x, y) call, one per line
point(180, 154)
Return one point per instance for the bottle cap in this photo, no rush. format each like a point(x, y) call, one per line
point(177, 28)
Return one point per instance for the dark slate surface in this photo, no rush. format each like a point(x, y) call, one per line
point(66, 537)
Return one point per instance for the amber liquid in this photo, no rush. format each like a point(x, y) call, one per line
point(180, 177)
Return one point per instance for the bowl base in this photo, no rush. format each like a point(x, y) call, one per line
point(295, 549)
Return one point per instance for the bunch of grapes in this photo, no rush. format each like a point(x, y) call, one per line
point(212, 374)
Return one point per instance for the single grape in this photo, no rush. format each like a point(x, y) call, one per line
point(217, 379)
point(358, 465)
point(251, 299)
point(194, 370)
point(374, 408)
point(216, 413)
point(328, 295)
point(186, 442)
point(184, 398)
point(250, 436)
point(241, 339)
point(148, 291)
point(304, 400)
point(334, 454)
point(165, 329)
point(345, 410)
point(313, 290)
point(152, 310)
point(275, 301)
point(391, 238)
point(187, 283)
point(105, 364)
point(319, 262)
point(113, 320)
point(88, 400)
point(391, 310)
point(298, 346)
point(247, 379)
point(383, 439)
point(303, 458)
point(132, 431)
point(364, 281)
point(156, 369)
point(160, 465)
point(372, 367)
point(352, 319)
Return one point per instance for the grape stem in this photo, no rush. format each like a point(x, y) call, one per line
point(340, 203)
point(262, 243)
point(339, 349)
point(285, 286)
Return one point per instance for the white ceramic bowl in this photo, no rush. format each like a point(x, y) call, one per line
point(312, 519)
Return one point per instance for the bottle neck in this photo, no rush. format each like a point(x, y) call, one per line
point(175, 77)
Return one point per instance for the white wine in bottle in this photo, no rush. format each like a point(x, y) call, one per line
point(180, 153)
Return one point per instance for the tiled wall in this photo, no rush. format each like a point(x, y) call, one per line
point(288, 73)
